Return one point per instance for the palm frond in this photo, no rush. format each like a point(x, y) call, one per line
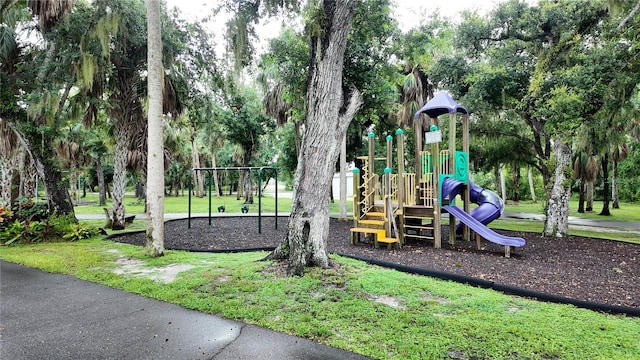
point(47, 13)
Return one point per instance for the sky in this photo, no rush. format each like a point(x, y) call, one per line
point(407, 12)
point(406, 9)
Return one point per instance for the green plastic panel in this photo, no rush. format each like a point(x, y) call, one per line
point(462, 167)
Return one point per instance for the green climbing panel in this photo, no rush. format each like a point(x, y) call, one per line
point(462, 167)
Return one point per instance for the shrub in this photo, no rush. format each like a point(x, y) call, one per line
point(27, 210)
point(13, 232)
point(51, 229)
point(80, 232)
point(6, 216)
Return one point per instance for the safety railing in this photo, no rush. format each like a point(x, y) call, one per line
point(445, 167)
point(419, 192)
point(409, 188)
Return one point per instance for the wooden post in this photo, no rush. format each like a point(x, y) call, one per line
point(388, 211)
point(452, 142)
point(417, 127)
point(400, 135)
point(437, 236)
point(389, 150)
point(356, 196)
point(466, 196)
point(372, 153)
point(452, 169)
point(356, 204)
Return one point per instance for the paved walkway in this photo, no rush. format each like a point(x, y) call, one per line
point(52, 316)
point(606, 223)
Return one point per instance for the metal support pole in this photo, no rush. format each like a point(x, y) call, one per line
point(210, 180)
point(260, 201)
point(189, 186)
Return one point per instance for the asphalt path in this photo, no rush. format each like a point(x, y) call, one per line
point(52, 316)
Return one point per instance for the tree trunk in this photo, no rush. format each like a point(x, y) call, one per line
point(58, 199)
point(605, 190)
point(496, 179)
point(532, 188)
point(119, 177)
point(126, 113)
point(29, 177)
point(503, 184)
point(581, 196)
point(516, 183)
point(589, 194)
point(46, 165)
point(155, 147)
point(102, 192)
point(15, 187)
point(198, 180)
point(557, 221)
point(216, 183)
point(614, 187)
point(343, 179)
point(240, 185)
point(328, 116)
point(73, 185)
point(248, 188)
point(6, 174)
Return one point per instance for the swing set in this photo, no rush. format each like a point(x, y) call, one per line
point(211, 171)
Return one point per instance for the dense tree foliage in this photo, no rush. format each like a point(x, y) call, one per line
point(552, 87)
point(556, 67)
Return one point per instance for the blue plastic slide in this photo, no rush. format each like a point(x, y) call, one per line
point(490, 208)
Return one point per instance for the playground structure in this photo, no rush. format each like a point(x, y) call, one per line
point(405, 205)
point(244, 209)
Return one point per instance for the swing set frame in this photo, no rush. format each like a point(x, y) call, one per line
point(260, 169)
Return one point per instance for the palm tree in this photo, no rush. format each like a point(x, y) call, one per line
point(619, 152)
point(98, 149)
point(585, 170)
point(47, 111)
point(416, 90)
point(49, 12)
point(155, 154)
point(9, 150)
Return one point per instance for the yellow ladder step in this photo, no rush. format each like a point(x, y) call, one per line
point(389, 241)
point(375, 214)
point(378, 234)
point(368, 231)
point(371, 222)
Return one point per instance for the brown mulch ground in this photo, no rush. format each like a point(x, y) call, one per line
point(600, 271)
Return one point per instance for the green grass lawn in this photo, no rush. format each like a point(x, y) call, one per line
point(180, 204)
point(377, 312)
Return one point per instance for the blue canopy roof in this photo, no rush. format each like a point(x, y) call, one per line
point(442, 103)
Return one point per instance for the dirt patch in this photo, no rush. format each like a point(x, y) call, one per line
point(389, 301)
point(163, 274)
